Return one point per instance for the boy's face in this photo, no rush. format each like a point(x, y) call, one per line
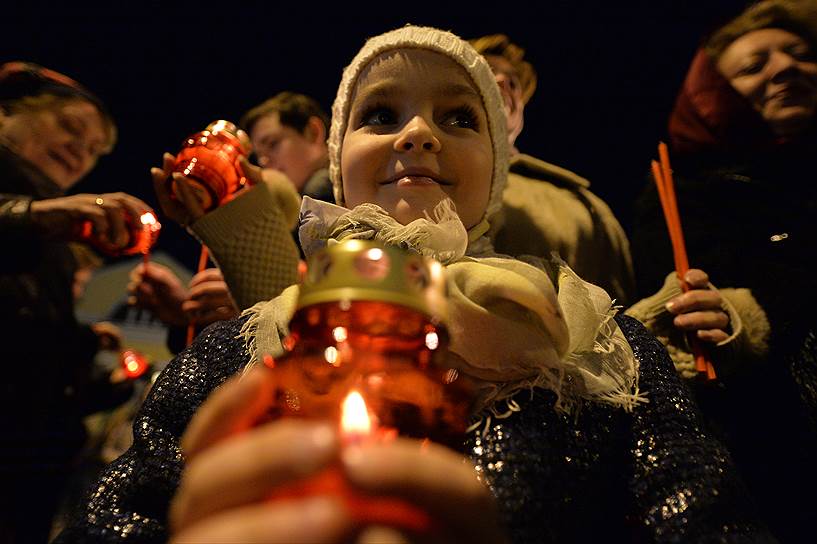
point(417, 133)
point(283, 148)
point(63, 142)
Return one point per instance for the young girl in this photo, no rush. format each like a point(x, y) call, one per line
point(568, 448)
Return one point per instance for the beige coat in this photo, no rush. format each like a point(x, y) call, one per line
point(547, 208)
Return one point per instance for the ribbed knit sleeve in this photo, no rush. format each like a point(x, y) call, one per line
point(250, 240)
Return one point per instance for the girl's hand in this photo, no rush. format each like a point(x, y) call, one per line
point(210, 299)
point(700, 310)
point(158, 289)
point(187, 206)
point(233, 466)
point(435, 479)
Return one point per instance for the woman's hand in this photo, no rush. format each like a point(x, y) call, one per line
point(185, 207)
point(233, 466)
point(700, 310)
point(62, 217)
point(209, 298)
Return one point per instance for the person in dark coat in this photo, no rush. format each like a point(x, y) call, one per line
point(744, 149)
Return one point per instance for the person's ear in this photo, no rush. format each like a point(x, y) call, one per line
point(315, 131)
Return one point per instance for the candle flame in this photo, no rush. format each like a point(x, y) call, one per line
point(432, 340)
point(354, 419)
point(148, 218)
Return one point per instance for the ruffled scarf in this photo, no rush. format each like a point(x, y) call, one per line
point(510, 327)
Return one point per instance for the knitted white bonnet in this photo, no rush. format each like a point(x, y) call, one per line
point(453, 47)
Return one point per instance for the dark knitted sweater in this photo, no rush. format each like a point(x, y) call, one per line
point(654, 475)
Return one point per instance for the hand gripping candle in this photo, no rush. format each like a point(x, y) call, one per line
point(142, 235)
point(366, 350)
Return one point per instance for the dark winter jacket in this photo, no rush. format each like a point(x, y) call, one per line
point(654, 475)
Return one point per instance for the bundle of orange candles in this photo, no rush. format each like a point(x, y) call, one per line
point(662, 173)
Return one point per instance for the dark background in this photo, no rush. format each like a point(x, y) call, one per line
point(608, 72)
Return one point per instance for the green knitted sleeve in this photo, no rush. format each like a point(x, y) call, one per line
point(250, 239)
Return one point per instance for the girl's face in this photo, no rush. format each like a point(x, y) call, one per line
point(777, 72)
point(417, 133)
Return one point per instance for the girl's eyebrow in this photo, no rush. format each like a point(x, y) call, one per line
point(389, 89)
point(458, 89)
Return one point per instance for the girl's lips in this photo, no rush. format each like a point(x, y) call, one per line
point(415, 181)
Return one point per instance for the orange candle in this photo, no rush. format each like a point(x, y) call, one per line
point(191, 328)
point(666, 192)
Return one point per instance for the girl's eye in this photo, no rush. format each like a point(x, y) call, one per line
point(378, 116)
point(463, 117)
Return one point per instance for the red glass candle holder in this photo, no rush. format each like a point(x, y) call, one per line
point(133, 363)
point(210, 160)
point(142, 235)
point(374, 367)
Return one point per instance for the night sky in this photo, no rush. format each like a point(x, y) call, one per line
point(608, 73)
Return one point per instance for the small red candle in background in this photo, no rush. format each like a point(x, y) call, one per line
point(142, 236)
point(133, 363)
point(356, 428)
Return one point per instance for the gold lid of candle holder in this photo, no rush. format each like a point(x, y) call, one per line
point(231, 128)
point(366, 270)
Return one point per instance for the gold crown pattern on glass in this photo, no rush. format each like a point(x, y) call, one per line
point(360, 270)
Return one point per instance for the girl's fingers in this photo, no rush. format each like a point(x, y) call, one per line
point(696, 278)
point(166, 203)
point(432, 477)
point(246, 469)
point(701, 320)
point(206, 317)
point(187, 196)
point(714, 336)
point(168, 162)
point(251, 172)
point(315, 520)
point(695, 300)
point(208, 274)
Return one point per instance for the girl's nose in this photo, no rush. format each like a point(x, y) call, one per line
point(417, 135)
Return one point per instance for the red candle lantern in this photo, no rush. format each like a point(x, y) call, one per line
point(210, 159)
point(133, 363)
point(366, 350)
point(142, 235)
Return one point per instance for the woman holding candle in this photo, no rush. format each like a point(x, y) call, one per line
point(52, 132)
point(418, 159)
point(743, 142)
